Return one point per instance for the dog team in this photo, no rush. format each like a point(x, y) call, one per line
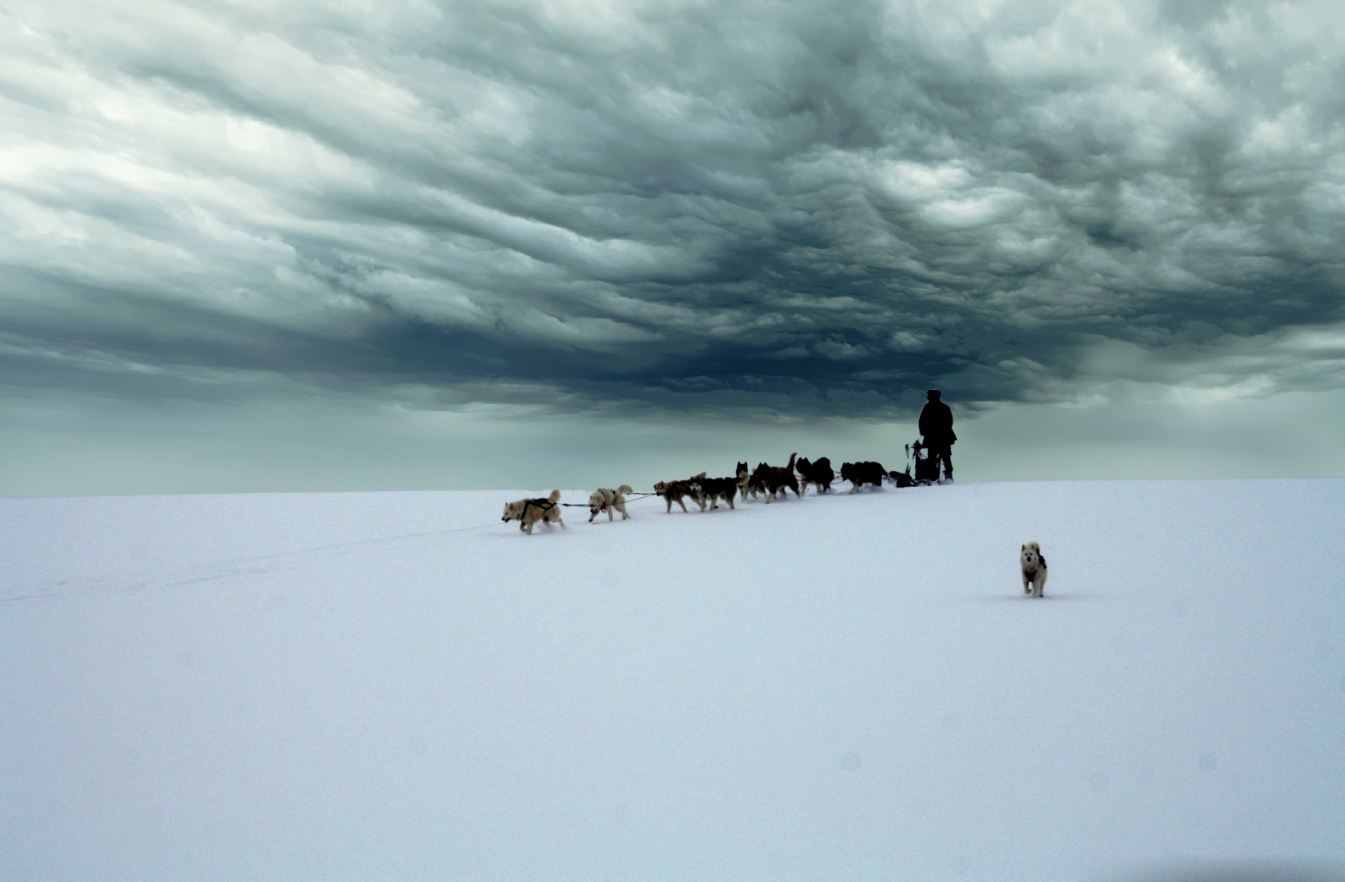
point(765, 480)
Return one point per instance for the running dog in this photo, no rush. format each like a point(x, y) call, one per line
point(714, 490)
point(529, 511)
point(676, 491)
point(1034, 569)
point(743, 478)
point(819, 473)
point(604, 499)
point(774, 479)
point(861, 473)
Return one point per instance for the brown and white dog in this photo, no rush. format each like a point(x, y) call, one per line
point(677, 491)
point(744, 477)
point(605, 499)
point(529, 511)
point(1034, 569)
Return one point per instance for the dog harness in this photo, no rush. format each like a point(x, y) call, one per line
point(543, 504)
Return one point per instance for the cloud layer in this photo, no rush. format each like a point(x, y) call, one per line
point(778, 209)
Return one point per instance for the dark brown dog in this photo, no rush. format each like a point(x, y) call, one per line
point(775, 479)
point(677, 491)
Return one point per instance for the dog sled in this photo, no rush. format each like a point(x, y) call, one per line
point(921, 468)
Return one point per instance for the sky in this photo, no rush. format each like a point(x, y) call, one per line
point(436, 245)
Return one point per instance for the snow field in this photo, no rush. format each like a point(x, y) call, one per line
point(399, 686)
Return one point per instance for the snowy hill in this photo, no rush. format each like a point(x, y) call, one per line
point(400, 686)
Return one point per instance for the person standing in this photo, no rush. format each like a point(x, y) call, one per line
point(936, 425)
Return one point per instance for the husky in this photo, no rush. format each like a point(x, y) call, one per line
point(774, 479)
point(605, 499)
point(819, 473)
point(861, 473)
point(902, 479)
point(1034, 569)
point(529, 511)
point(677, 491)
point(744, 478)
point(713, 490)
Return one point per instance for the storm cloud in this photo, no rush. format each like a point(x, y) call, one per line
point(782, 209)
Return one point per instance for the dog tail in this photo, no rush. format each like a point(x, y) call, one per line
point(792, 457)
point(555, 496)
point(625, 489)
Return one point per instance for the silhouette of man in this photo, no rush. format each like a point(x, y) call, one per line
point(936, 425)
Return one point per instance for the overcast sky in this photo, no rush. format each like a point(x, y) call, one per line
point(353, 244)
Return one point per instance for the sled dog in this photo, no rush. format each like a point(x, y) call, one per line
point(713, 490)
point(677, 491)
point(1034, 569)
point(861, 473)
point(529, 511)
point(902, 479)
point(605, 499)
point(744, 477)
point(819, 473)
point(774, 479)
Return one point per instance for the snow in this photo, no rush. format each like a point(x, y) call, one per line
point(400, 686)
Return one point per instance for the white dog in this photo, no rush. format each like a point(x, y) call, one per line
point(604, 499)
point(1034, 569)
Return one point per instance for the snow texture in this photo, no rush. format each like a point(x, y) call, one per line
point(400, 686)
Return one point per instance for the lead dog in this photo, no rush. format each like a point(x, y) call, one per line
point(604, 499)
point(1034, 569)
point(529, 511)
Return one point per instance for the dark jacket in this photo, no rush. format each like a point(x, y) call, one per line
point(936, 421)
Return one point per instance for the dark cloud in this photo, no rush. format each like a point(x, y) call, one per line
point(770, 208)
